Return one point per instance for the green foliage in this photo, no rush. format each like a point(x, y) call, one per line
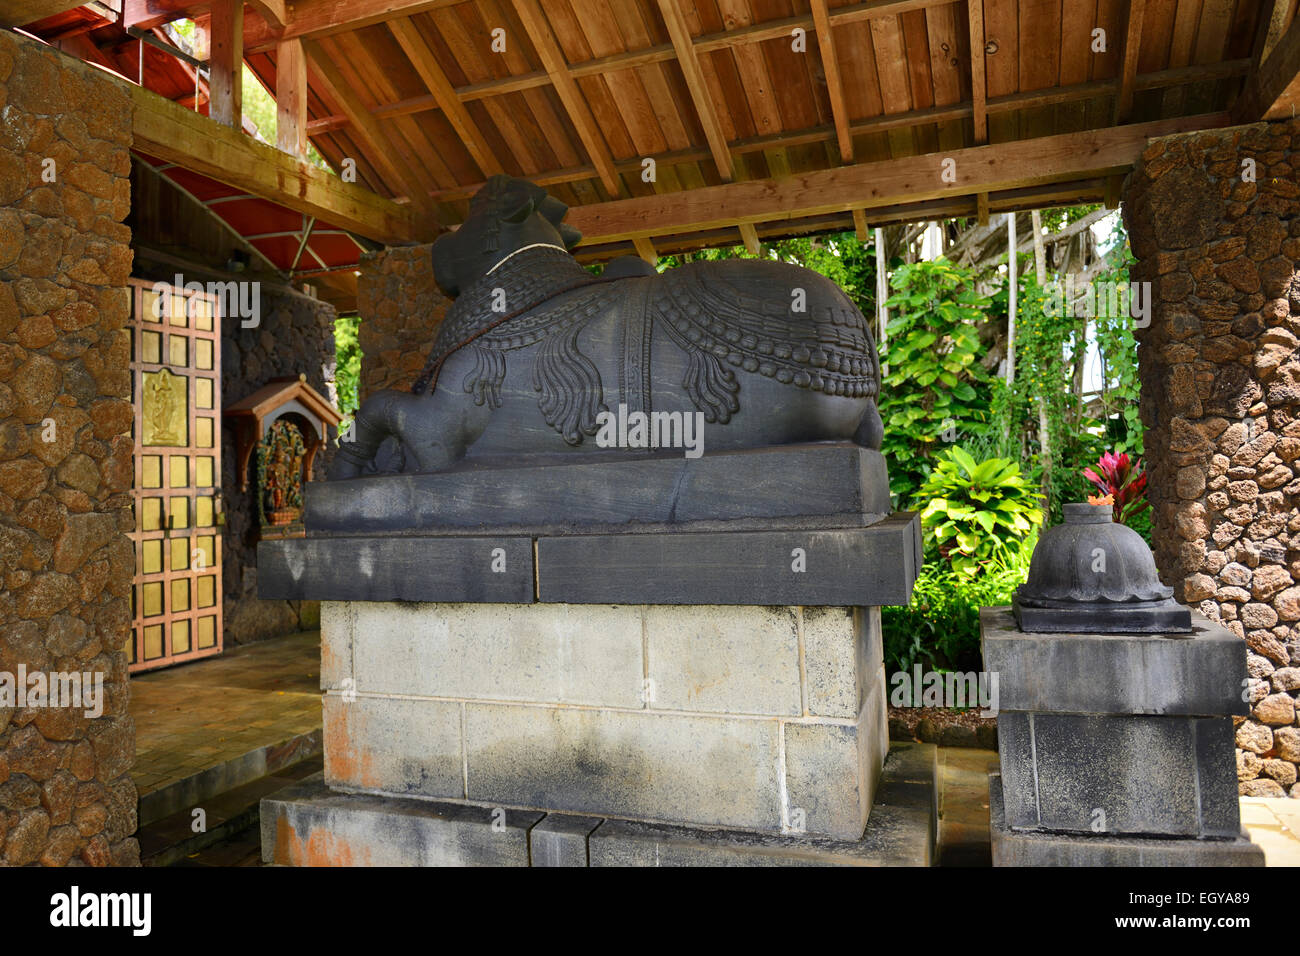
point(973, 511)
point(1117, 346)
point(347, 368)
point(935, 385)
point(939, 628)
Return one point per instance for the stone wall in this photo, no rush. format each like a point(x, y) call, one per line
point(295, 336)
point(401, 308)
point(1214, 221)
point(65, 454)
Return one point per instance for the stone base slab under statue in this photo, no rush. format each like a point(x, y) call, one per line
point(558, 734)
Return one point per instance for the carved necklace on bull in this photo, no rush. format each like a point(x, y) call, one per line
point(522, 280)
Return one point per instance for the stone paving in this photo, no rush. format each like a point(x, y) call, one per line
point(200, 715)
point(1274, 823)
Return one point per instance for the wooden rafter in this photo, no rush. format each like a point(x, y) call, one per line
point(646, 249)
point(834, 84)
point(749, 236)
point(978, 83)
point(1129, 61)
point(1272, 89)
point(19, 13)
point(543, 40)
point(860, 226)
point(337, 88)
point(315, 18)
point(422, 58)
point(168, 131)
point(687, 58)
point(913, 179)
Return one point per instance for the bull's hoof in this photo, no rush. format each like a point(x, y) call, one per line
point(345, 465)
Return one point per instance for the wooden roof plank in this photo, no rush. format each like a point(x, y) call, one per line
point(336, 86)
point(422, 58)
point(539, 32)
point(689, 62)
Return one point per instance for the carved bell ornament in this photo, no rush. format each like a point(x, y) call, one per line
point(1093, 575)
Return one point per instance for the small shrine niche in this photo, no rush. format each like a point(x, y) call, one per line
point(278, 430)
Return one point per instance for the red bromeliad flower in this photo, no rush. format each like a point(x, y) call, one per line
point(1124, 481)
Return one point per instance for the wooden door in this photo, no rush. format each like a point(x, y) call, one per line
point(176, 393)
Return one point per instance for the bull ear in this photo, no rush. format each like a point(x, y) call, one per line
point(570, 235)
point(521, 212)
point(444, 267)
point(553, 209)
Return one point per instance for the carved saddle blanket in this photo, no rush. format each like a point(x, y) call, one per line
point(718, 324)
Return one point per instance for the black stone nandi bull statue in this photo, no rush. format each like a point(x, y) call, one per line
point(536, 353)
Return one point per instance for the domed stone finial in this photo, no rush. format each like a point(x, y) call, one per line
point(1092, 575)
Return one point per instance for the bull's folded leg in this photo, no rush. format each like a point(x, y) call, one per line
point(371, 425)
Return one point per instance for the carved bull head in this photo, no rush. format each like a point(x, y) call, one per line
point(506, 215)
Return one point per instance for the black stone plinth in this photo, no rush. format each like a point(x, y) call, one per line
point(603, 491)
point(795, 562)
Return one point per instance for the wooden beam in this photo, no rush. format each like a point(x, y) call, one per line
point(1114, 184)
point(336, 87)
point(316, 18)
point(749, 235)
point(1129, 62)
point(291, 97)
point(539, 32)
point(834, 84)
point(422, 58)
point(688, 59)
point(912, 179)
point(167, 131)
point(272, 11)
point(860, 227)
point(147, 14)
point(226, 82)
point(1272, 91)
point(978, 84)
point(982, 208)
point(19, 13)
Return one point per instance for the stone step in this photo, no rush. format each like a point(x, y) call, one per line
point(173, 840)
point(312, 825)
point(226, 775)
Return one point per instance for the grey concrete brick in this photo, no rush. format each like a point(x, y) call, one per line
point(556, 653)
point(843, 651)
point(1146, 775)
point(831, 771)
point(724, 659)
point(337, 626)
point(900, 832)
point(650, 765)
point(561, 840)
point(399, 746)
point(1027, 848)
point(310, 825)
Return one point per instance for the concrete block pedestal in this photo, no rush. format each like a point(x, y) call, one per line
point(558, 734)
point(1116, 749)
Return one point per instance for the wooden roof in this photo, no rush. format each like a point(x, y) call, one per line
point(831, 95)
